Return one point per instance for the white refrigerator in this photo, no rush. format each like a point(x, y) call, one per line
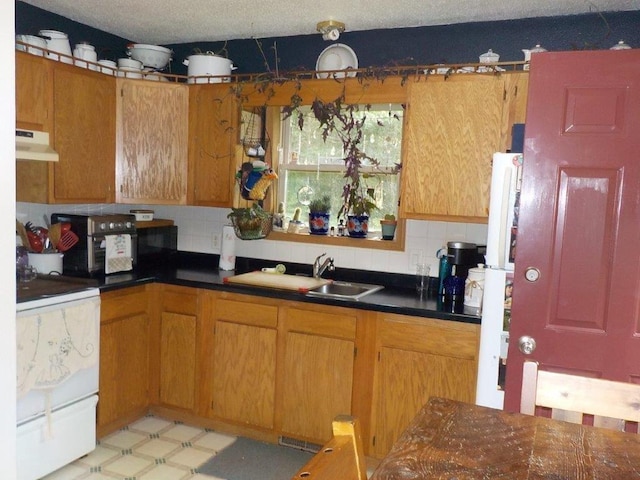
point(506, 179)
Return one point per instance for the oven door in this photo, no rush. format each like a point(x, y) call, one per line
point(58, 342)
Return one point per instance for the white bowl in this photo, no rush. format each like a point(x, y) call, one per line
point(129, 63)
point(152, 56)
point(33, 41)
point(108, 66)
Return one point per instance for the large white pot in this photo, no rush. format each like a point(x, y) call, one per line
point(57, 42)
point(208, 65)
point(46, 263)
point(32, 40)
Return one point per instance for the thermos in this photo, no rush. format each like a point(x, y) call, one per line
point(444, 269)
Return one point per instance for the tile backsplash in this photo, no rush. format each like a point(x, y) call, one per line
point(200, 230)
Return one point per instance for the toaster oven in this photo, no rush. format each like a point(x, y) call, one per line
point(95, 232)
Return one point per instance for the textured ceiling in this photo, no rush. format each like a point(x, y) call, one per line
point(185, 21)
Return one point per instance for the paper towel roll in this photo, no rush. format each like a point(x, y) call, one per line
point(228, 249)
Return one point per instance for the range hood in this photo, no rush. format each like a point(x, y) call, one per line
point(32, 145)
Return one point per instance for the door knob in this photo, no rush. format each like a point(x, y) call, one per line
point(532, 274)
point(527, 344)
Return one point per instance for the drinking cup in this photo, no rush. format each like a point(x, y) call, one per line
point(422, 279)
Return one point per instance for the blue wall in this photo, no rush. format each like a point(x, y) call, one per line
point(461, 43)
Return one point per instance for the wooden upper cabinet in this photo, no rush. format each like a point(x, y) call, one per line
point(151, 150)
point(452, 128)
point(77, 107)
point(34, 102)
point(84, 125)
point(213, 134)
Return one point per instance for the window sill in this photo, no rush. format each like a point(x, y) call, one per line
point(372, 242)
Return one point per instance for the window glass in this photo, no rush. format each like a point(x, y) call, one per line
point(311, 166)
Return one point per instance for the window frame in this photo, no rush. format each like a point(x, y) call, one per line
point(390, 90)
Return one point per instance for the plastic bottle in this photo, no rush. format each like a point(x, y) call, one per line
point(444, 269)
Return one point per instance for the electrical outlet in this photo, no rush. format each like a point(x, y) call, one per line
point(215, 242)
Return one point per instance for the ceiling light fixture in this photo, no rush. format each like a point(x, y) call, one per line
point(330, 29)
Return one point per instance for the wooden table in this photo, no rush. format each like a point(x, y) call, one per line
point(458, 441)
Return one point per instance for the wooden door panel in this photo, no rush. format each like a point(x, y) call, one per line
point(318, 385)
point(178, 360)
point(84, 136)
point(582, 262)
point(133, 364)
point(152, 142)
point(402, 396)
point(580, 205)
point(451, 128)
point(244, 373)
point(213, 133)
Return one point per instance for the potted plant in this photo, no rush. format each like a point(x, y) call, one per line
point(251, 223)
point(388, 224)
point(319, 214)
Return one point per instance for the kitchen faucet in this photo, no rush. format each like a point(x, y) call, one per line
point(319, 269)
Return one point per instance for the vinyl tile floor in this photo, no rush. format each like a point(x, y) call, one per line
point(149, 449)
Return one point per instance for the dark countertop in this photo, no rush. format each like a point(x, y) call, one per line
point(200, 271)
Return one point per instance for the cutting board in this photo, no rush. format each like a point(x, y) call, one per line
point(276, 280)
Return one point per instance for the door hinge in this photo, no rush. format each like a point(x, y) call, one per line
point(373, 441)
point(379, 355)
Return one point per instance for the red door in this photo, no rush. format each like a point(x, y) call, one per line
point(577, 275)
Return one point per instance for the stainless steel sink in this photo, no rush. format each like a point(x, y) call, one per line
point(344, 290)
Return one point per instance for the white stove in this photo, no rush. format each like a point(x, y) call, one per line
point(58, 343)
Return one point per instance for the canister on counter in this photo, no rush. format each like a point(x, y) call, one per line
point(474, 288)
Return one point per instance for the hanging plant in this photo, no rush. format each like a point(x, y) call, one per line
point(347, 121)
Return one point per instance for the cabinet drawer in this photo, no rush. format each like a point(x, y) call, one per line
point(180, 300)
point(439, 337)
point(322, 323)
point(123, 303)
point(247, 313)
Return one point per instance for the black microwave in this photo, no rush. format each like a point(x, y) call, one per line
point(156, 242)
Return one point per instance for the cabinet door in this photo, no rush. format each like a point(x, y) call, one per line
point(213, 133)
point(317, 372)
point(244, 362)
point(124, 358)
point(452, 129)
point(151, 163)
point(124, 369)
point(178, 360)
point(34, 104)
point(84, 118)
point(418, 359)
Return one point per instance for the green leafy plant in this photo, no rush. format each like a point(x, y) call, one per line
point(320, 205)
point(250, 222)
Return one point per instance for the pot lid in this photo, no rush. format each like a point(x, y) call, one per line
point(489, 57)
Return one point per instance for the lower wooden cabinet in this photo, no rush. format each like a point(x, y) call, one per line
point(317, 370)
point(124, 358)
point(418, 358)
point(178, 356)
point(244, 361)
point(267, 368)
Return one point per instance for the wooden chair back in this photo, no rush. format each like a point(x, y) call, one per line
point(571, 397)
point(341, 458)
